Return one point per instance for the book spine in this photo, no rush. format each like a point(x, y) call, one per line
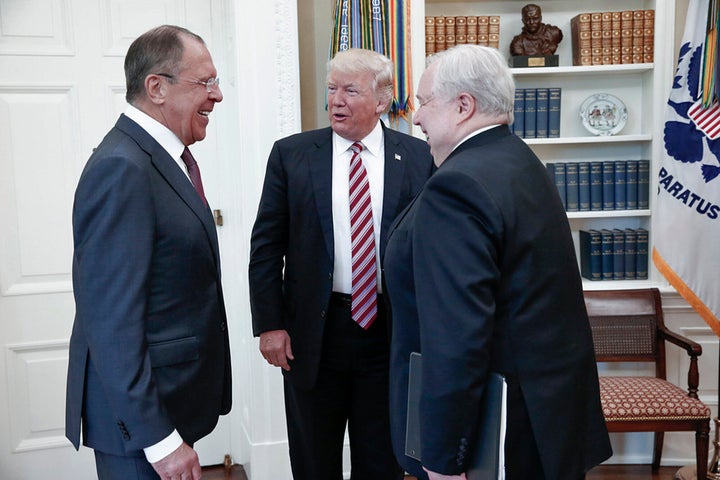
point(630, 254)
point(596, 186)
point(541, 112)
point(631, 184)
point(439, 33)
point(641, 259)
point(643, 184)
point(572, 187)
point(581, 37)
point(494, 31)
point(430, 33)
point(637, 41)
point(584, 186)
point(620, 177)
point(616, 38)
point(557, 173)
point(608, 185)
point(596, 37)
point(649, 36)
point(519, 113)
point(483, 30)
point(606, 28)
point(554, 95)
point(626, 36)
point(606, 253)
point(590, 255)
point(618, 254)
point(472, 29)
point(530, 112)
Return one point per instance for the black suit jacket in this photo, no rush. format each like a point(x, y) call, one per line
point(481, 275)
point(292, 246)
point(149, 349)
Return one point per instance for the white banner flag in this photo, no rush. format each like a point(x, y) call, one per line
point(686, 218)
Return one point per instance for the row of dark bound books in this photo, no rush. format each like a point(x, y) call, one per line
point(614, 254)
point(602, 185)
point(612, 38)
point(443, 32)
point(537, 112)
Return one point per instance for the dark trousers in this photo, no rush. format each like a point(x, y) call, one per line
point(352, 390)
point(114, 467)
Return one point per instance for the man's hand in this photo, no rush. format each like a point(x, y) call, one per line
point(440, 476)
point(182, 464)
point(275, 348)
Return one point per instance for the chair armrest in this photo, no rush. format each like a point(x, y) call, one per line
point(694, 350)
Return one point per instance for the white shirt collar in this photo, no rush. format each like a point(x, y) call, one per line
point(372, 143)
point(163, 135)
point(476, 132)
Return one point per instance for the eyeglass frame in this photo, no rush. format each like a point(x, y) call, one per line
point(210, 84)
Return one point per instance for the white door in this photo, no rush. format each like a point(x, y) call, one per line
point(61, 89)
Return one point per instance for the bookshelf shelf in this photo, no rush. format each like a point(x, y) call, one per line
point(609, 214)
point(642, 87)
point(580, 70)
point(594, 139)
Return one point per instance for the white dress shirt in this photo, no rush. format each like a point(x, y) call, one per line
point(373, 158)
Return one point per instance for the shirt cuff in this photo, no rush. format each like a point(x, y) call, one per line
point(155, 453)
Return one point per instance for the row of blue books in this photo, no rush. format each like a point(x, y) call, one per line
point(602, 185)
point(614, 254)
point(537, 112)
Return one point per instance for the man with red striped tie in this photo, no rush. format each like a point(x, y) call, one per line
point(328, 200)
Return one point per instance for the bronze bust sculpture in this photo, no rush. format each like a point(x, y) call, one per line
point(537, 38)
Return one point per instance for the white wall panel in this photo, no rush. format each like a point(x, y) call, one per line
point(36, 392)
point(35, 27)
point(125, 20)
point(36, 178)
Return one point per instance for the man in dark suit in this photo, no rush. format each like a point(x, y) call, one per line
point(149, 369)
point(311, 324)
point(482, 277)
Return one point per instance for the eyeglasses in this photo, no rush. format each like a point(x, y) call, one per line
point(210, 84)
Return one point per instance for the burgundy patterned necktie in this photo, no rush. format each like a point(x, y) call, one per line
point(364, 275)
point(194, 173)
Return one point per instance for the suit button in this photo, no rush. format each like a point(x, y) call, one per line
point(322, 314)
point(223, 326)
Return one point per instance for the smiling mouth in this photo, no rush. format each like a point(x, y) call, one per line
point(204, 113)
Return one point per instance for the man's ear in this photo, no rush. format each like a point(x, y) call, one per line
point(155, 89)
point(466, 105)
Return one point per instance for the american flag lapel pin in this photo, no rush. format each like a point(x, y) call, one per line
point(398, 157)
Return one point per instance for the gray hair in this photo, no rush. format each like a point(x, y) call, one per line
point(482, 72)
point(358, 60)
point(158, 50)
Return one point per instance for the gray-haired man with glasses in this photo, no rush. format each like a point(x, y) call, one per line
point(149, 369)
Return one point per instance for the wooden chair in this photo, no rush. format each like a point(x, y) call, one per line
point(628, 326)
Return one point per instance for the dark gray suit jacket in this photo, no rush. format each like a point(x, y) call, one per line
point(481, 275)
point(292, 247)
point(149, 350)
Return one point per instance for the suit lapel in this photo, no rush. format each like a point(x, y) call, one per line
point(174, 176)
point(395, 162)
point(320, 167)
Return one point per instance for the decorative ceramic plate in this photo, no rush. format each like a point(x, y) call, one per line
point(603, 114)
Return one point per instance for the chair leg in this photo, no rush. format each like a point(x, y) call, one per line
point(657, 451)
point(702, 443)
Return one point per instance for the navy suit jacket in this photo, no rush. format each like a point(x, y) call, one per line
point(481, 275)
point(149, 348)
point(292, 246)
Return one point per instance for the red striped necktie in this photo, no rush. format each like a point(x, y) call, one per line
point(364, 274)
point(194, 173)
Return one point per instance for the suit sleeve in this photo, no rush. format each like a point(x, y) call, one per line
point(113, 224)
point(455, 263)
point(268, 246)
